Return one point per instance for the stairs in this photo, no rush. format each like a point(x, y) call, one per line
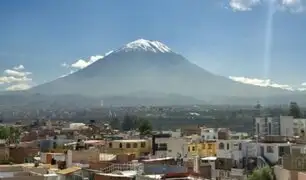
point(263, 161)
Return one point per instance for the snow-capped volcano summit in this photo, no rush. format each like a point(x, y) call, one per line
point(145, 45)
point(148, 66)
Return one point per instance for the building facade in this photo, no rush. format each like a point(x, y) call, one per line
point(164, 145)
point(202, 149)
point(138, 147)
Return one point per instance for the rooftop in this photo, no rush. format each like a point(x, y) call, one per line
point(120, 174)
point(130, 140)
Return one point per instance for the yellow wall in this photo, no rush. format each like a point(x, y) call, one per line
point(137, 147)
point(203, 149)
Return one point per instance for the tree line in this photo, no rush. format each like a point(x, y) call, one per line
point(132, 122)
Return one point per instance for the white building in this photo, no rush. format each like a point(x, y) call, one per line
point(234, 151)
point(272, 151)
point(267, 126)
point(286, 126)
point(208, 133)
point(290, 126)
point(283, 126)
point(166, 146)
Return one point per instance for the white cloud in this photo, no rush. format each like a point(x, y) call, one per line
point(301, 89)
point(15, 73)
point(12, 79)
point(243, 5)
point(284, 5)
point(18, 87)
point(303, 84)
point(18, 68)
point(16, 78)
point(294, 6)
point(81, 63)
point(261, 82)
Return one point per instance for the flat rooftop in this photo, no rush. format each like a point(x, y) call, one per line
point(129, 140)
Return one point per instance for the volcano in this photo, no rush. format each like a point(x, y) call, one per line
point(147, 68)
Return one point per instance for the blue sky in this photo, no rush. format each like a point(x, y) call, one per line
point(42, 39)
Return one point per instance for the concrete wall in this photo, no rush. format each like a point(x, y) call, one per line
point(301, 176)
point(19, 154)
point(286, 126)
point(175, 146)
point(85, 156)
point(284, 174)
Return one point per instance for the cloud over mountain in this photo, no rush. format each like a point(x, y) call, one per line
point(261, 82)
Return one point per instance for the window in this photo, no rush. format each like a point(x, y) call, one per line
point(221, 145)
point(209, 146)
point(135, 145)
point(188, 149)
point(110, 145)
point(240, 146)
point(162, 147)
point(142, 144)
point(193, 148)
point(120, 145)
point(270, 149)
point(128, 145)
point(227, 146)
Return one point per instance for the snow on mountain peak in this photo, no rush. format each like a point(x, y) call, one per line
point(146, 45)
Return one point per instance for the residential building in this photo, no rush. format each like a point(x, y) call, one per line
point(272, 148)
point(208, 133)
point(202, 149)
point(286, 126)
point(232, 156)
point(138, 147)
point(267, 126)
point(210, 172)
point(283, 126)
point(163, 145)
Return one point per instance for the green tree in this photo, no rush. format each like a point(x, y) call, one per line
point(294, 110)
point(14, 134)
point(10, 133)
point(265, 173)
point(145, 127)
point(4, 132)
